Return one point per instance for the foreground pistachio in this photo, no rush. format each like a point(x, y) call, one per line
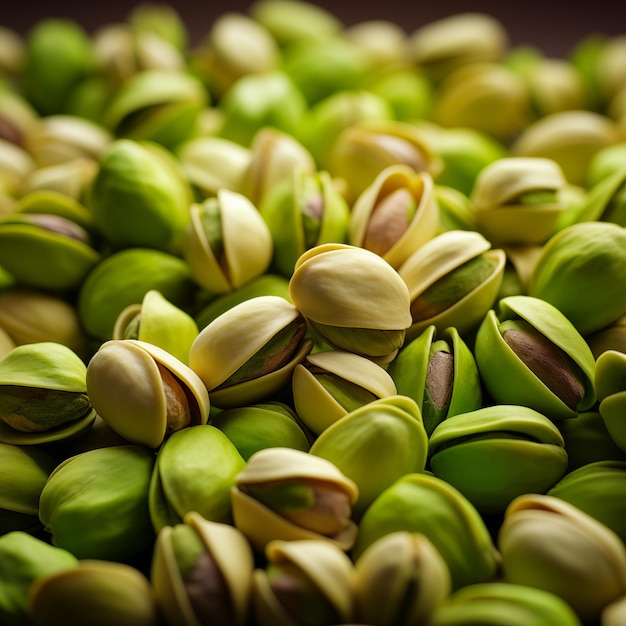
point(305, 581)
point(201, 572)
point(611, 393)
point(288, 494)
point(329, 285)
point(537, 538)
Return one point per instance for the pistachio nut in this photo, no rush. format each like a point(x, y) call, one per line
point(499, 602)
point(587, 257)
point(289, 494)
point(304, 581)
point(159, 322)
point(329, 285)
point(98, 591)
point(330, 384)
point(421, 502)
point(157, 394)
point(95, 504)
point(304, 211)
point(611, 337)
point(610, 383)
point(439, 372)
point(195, 470)
point(263, 425)
point(249, 351)
point(24, 558)
point(530, 354)
point(201, 572)
point(227, 242)
point(453, 280)
point(401, 578)
point(393, 424)
point(550, 544)
point(496, 453)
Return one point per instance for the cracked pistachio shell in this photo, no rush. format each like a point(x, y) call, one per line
point(329, 384)
point(57, 203)
point(303, 580)
point(227, 242)
point(393, 424)
point(159, 322)
point(291, 471)
point(444, 261)
point(610, 383)
point(589, 259)
point(421, 502)
point(496, 453)
point(17, 115)
point(558, 384)
point(25, 558)
point(157, 394)
point(195, 470)
point(495, 603)
point(396, 214)
point(329, 286)
point(438, 371)
point(249, 352)
point(550, 544)
point(215, 552)
point(517, 201)
point(304, 211)
point(571, 138)
point(95, 504)
point(398, 566)
point(98, 591)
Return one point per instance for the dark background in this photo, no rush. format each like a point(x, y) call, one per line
point(554, 27)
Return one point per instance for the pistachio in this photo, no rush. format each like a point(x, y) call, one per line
point(609, 382)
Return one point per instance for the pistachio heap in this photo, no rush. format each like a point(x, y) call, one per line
point(308, 324)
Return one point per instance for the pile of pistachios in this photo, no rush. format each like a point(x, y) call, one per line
point(308, 324)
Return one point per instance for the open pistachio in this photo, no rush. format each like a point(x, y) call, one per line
point(329, 384)
point(157, 394)
point(610, 383)
point(329, 285)
point(453, 280)
point(400, 579)
point(496, 453)
point(289, 494)
point(304, 581)
point(98, 591)
point(537, 539)
point(201, 572)
point(439, 372)
point(530, 354)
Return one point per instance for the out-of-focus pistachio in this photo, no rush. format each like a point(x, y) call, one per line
point(455, 209)
point(12, 51)
point(571, 138)
point(160, 19)
point(195, 470)
point(329, 384)
point(426, 504)
point(304, 211)
point(439, 373)
point(289, 494)
point(605, 162)
point(6, 343)
point(530, 354)
point(329, 285)
point(201, 572)
point(497, 603)
point(611, 70)
point(516, 200)
point(249, 352)
point(394, 424)
point(23, 559)
point(496, 453)
point(587, 258)
point(453, 280)
point(395, 214)
point(227, 242)
point(304, 581)
point(610, 384)
point(71, 179)
point(537, 539)
point(446, 44)
point(400, 579)
point(384, 41)
point(611, 337)
point(157, 394)
point(520, 262)
point(614, 613)
point(98, 591)
point(95, 504)
point(17, 115)
point(16, 165)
